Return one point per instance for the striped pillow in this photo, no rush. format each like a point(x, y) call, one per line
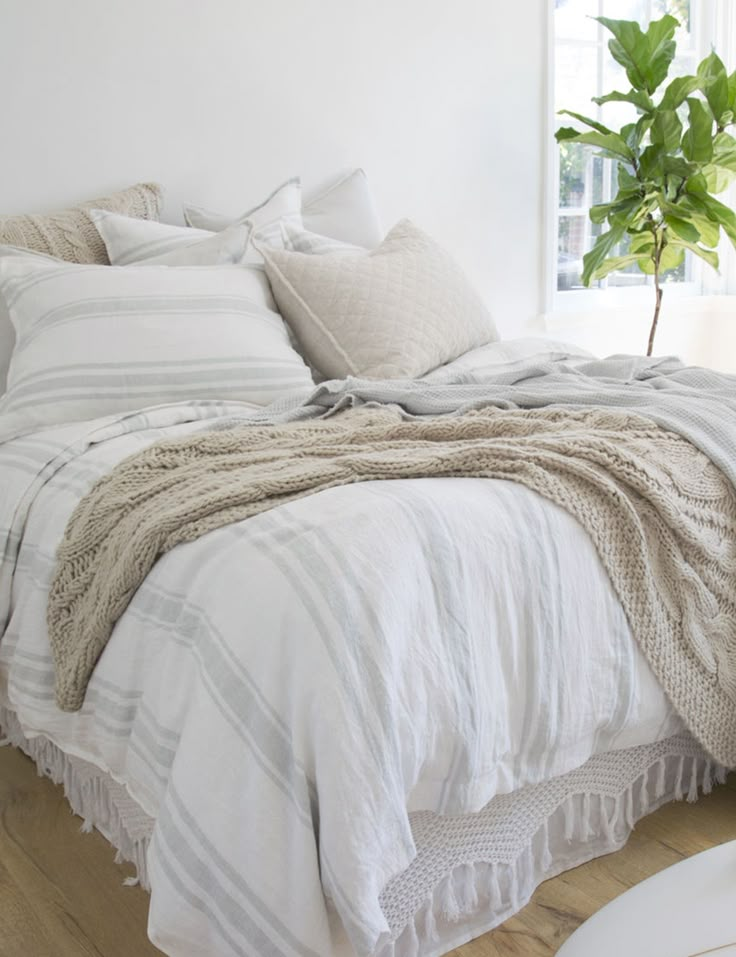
point(99, 340)
point(131, 241)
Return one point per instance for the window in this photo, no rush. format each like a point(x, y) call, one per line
point(584, 68)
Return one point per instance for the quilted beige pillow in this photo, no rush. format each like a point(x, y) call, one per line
point(395, 312)
point(70, 234)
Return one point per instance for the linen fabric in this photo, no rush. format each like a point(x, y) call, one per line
point(342, 692)
point(94, 340)
point(131, 241)
point(283, 205)
point(68, 234)
point(344, 209)
point(397, 312)
point(304, 241)
point(470, 871)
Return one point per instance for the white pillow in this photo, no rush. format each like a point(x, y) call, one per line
point(397, 311)
point(129, 241)
point(344, 209)
point(7, 332)
point(284, 204)
point(100, 340)
point(304, 241)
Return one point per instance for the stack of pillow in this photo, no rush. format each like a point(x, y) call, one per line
point(197, 311)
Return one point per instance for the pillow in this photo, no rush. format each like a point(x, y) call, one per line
point(284, 204)
point(95, 341)
point(304, 241)
point(129, 240)
point(70, 234)
point(7, 333)
point(395, 312)
point(345, 210)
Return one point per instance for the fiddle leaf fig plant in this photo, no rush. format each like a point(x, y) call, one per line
point(670, 160)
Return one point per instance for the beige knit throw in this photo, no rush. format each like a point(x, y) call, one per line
point(661, 516)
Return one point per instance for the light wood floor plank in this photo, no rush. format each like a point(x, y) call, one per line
point(61, 894)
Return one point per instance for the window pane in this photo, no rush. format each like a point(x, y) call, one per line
point(681, 10)
point(572, 243)
point(572, 19)
point(626, 10)
point(576, 79)
point(574, 175)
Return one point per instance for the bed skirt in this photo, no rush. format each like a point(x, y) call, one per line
point(472, 871)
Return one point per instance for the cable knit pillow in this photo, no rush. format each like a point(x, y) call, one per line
point(70, 234)
point(397, 311)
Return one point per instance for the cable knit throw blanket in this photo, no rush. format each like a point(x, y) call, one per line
point(661, 515)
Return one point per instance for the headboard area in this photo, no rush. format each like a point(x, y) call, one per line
point(222, 101)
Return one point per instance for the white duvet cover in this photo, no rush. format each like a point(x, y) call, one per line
point(280, 694)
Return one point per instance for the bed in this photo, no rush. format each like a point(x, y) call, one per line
point(368, 721)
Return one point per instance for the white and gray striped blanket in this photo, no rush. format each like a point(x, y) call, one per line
point(281, 693)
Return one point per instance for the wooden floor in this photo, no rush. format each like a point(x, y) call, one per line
point(61, 895)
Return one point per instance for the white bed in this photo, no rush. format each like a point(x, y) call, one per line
point(504, 723)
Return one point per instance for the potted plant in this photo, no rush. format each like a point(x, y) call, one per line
point(670, 160)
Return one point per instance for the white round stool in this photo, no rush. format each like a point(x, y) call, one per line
point(687, 910)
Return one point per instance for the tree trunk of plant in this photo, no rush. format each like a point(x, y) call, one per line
point(653, 330)
point(657, 306)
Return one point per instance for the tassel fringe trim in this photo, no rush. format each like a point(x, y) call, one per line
point(91, 794)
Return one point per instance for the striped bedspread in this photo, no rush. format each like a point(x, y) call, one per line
point(281, 693)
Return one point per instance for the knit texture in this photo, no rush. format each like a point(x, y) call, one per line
point(70, 234)
point(661, 515)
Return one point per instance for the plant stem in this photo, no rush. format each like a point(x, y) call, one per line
point(657, 305)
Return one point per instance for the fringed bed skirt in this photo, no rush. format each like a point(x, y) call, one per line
point(472, 871)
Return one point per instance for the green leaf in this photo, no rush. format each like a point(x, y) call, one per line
point(666, 130)
point(677, 166)
point(646, 57)
point(641, 100)
point(671, 257)
point(610, 142)
point(690, 207)
point(682, 228)
point(678, 91)
point(662, 49)
point(717, 178)
point(718, 213)
point(603, 246)
point(651, 166)
point(697, 143)
point(614, 263)
point(626, 180)
point(624, 204)
point(732, 92)
point(629, 48)
point(594, 124)
point(713, 81)
point(709, 255)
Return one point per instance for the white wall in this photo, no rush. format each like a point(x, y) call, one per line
point(441, 102)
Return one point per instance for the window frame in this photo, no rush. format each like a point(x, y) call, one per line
point(712, 19)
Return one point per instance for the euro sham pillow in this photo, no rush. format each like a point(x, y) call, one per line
point(70, 234)
point(344, 209)
point(93, 341)
point(397, 311)
point(305, 241)
point(283, 205)
point(132, 241)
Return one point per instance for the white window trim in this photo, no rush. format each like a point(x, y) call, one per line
point(717, 19)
